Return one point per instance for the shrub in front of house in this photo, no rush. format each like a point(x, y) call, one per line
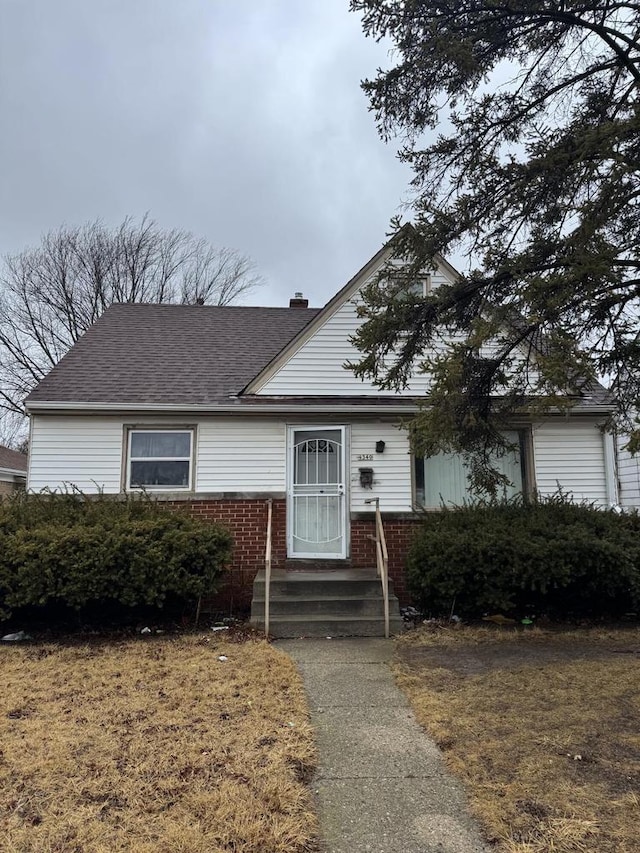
point(76, 552)
point(549, 557)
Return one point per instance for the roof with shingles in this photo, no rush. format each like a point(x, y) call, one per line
point(171, 354)
point(196, 355)
point(12, 460)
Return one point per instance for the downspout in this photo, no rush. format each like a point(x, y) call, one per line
point(610, 468)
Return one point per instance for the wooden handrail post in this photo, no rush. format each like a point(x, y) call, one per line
point(267, 568)
point(382, 562)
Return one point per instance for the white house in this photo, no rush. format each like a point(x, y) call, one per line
point(628, 475)
point(227, 407)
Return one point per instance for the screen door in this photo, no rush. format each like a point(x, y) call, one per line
point(316, 493)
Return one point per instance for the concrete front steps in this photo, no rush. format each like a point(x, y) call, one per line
point(325, 603)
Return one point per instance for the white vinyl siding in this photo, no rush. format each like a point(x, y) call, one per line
point(246, 454)
point(232, 455)
point(75, 451)
point(241, 455)
point(317, 368)
point(391, 469)
point(569, 454)
point(628, 475)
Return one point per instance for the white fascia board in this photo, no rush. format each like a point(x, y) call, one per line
point(82, 408)
point(49, 406)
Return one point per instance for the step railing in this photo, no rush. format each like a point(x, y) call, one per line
point(267, 568)
point(382, 561)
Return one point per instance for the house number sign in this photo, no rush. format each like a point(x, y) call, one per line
point(364, 457)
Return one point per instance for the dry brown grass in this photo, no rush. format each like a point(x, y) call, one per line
point(543, 728)
point(154, 746)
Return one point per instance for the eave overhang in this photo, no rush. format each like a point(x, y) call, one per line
point(13, 472)
point(270, 406)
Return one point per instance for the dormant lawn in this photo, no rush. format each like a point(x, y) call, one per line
point(154, 746)
point(543, 728)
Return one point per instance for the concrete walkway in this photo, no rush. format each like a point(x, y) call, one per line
point(381, 785)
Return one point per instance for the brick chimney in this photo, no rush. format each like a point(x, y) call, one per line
point(298, 301)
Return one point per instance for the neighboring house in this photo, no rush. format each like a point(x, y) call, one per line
point(628, 475)
point(226, 407)
point(13, 470)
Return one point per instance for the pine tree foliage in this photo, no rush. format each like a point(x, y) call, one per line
point(521, 122)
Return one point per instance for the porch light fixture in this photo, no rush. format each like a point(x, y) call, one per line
point(380, 445)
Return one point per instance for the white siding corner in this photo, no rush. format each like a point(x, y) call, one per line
point(80, 452)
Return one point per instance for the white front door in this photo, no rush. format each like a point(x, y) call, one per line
point(316, 494)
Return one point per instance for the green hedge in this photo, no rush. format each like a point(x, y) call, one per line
point(76, 552)
point(549, 557)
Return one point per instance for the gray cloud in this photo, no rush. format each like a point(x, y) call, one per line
point(244, 123)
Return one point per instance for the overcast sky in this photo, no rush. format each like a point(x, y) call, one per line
point(242, 122)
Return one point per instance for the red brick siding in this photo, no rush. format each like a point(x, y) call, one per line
point(247, 521)
point(398, 533)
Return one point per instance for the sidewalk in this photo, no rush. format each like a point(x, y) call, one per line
point(381, 785)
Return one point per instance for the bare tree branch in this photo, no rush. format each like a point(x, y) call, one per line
point(51, 294)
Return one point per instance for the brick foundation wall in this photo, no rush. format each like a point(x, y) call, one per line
point(8, 487)
point(398, 532)
point(247, 521)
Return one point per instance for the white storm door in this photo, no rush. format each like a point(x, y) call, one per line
point(316, 499)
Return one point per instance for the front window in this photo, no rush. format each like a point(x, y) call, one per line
point(159, 459)
point(443, 479)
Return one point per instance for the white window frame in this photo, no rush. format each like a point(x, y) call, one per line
point(167, 488)
point(424, 282)
point(421, 285)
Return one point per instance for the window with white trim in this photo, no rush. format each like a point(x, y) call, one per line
point(443, 479)
point(160, 459)
point(420, 287)
point(404, 285)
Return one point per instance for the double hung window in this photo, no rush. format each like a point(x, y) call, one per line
point(160, 459)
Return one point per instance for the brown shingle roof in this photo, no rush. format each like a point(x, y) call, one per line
point(192, 355)
point(12, 460)
point(172, 354)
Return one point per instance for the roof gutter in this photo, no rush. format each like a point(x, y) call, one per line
point(65, 406)
point(50, 406)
